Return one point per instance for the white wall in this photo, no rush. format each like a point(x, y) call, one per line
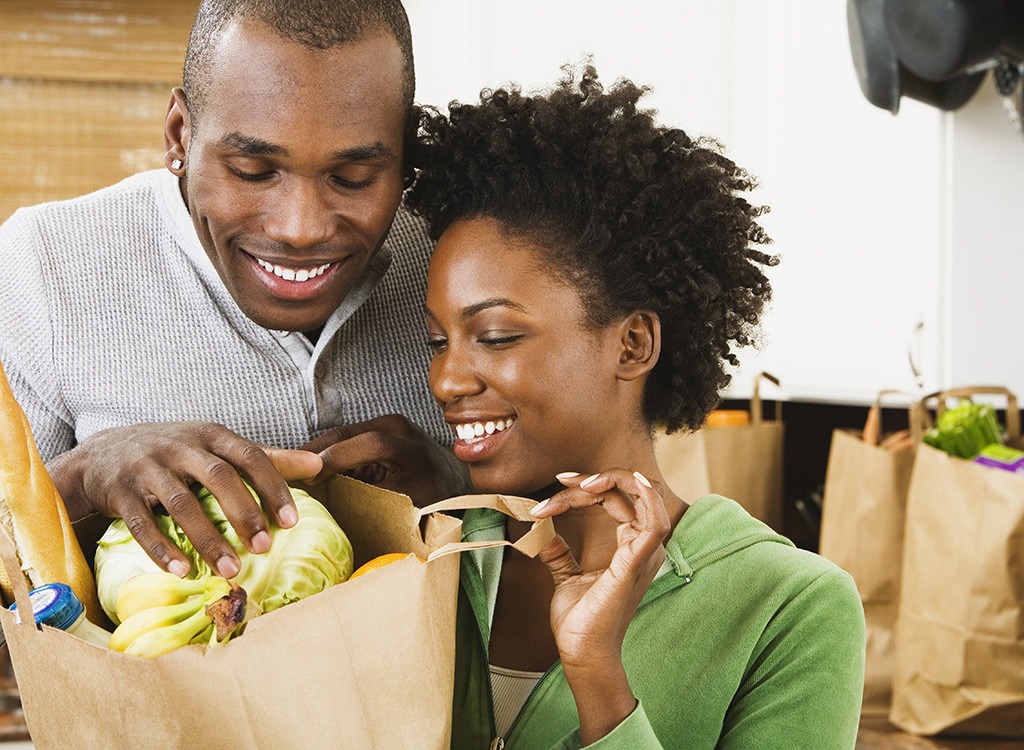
point(882, 222)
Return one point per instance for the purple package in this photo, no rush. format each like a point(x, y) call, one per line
point(1001, 457)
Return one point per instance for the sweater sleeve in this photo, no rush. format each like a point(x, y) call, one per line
point(804, 687)
point(26, 346)
point(634, 733)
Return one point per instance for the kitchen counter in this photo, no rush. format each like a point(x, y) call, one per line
point(879, 734)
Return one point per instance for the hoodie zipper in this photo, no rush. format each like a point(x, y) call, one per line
point(499, 742)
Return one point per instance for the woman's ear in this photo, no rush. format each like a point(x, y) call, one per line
point(640, 344)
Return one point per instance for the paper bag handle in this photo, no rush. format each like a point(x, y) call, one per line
point(756, 415)
point(940, 397)
point(969, 391)
point(530, 544)
point(9, 554)
point(872, 432)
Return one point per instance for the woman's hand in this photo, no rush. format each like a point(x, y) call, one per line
point(590, 610)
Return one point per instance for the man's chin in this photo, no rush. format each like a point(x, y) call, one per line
point(288, 320)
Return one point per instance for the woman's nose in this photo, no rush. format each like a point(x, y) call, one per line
point(452, 375)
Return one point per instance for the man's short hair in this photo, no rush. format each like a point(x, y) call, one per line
point(319, 24)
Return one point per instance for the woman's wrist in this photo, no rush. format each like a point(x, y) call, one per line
point(603, 699)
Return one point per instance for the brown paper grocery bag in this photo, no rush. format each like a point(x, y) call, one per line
point(960, 630)
point(863, 506)
point(365, 664)
point(742, 462)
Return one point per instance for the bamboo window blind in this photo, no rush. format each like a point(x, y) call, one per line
point(84, 87)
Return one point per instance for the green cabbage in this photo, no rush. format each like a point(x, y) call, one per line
point(309, 557)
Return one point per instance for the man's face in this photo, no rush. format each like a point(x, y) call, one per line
point(293, 168)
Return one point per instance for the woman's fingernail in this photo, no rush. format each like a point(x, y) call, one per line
point(227, 567)
point(178, 568)
point(566, 475)
point(642, 479)
point(589, 480)
point(536, 508)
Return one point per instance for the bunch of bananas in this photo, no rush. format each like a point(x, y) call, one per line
point(159, 612)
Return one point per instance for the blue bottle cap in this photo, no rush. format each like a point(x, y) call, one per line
point(54, 604)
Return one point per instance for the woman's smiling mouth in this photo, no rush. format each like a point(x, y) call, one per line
point(478, 440)
point(470, 432)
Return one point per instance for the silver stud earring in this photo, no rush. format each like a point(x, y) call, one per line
point(176, 163)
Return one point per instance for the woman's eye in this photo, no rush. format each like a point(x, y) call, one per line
point(437, 344)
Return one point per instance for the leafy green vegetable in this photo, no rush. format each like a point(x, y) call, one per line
point(965, 429)
point(303, 560)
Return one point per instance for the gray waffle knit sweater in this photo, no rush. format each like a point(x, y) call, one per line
point(112, 314)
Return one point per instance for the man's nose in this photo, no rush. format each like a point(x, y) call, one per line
point(301, 215)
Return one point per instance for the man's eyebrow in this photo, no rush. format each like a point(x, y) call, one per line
point(258, 147)
point(478, 307)
point(251, 145)
point(364, 153)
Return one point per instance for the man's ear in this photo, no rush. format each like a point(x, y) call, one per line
point(640, 344)
point(177, 130)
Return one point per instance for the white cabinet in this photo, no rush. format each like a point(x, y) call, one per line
point(883, 223)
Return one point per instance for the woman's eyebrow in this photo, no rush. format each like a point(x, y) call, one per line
point(478, 307)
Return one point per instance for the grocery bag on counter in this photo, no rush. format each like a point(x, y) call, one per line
point(960, 630)
point(368, 663)
point(743, 462)
point(863, 506)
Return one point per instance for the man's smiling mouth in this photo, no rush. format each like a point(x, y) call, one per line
point(294, 274)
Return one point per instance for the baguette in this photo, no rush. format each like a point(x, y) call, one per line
point(33, 513)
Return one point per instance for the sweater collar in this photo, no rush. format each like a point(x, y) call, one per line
point(179, 218)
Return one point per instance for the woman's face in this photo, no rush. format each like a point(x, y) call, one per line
point(527, 388)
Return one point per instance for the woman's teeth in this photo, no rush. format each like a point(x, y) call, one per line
point(476, 430)
point(293, 274)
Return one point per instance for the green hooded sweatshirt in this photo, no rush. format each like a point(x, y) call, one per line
point(745, 643)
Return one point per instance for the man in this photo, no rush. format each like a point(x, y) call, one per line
point(259, 292)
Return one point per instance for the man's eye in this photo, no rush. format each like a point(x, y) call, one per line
point(499, 340)
point(353, 184)
point(252, 176)
point(437, 344)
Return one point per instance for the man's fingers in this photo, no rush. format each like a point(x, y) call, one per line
point(364, 449)
point(329, 438)
point(140, 522)
point(295, 464)
point(239, 457)
point(183, 506)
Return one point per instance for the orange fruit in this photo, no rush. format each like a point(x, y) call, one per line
point(379, 562)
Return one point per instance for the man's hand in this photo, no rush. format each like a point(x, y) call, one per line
point(125, 472)
point(392, 452)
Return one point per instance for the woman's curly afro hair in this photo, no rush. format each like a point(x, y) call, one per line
point(635, 216)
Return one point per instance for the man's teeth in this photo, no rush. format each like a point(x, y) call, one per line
point(476, 430)
point(293, 274)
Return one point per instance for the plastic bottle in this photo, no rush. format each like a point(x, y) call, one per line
point(56, 605)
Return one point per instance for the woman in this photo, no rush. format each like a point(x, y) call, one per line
point(593, 275)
